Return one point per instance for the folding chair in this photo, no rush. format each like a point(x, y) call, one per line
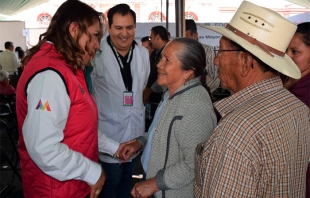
point(17, 194)
point(3, 99)
point(7, 188)
point(4, 128)
point(11, 100)
point(7, 115)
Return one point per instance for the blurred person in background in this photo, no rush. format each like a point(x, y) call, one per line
point(16, 50)
point(5, 88)
point(153, 92)
point(20, 55)
point(9, 62)
point(145, 41)
point(212, 79)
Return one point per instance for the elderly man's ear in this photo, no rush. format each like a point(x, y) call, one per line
point(248, 64)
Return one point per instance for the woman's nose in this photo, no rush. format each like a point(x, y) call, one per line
point(97, 44)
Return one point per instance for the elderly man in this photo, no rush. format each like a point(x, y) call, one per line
point(5, 87)
point(261, 146)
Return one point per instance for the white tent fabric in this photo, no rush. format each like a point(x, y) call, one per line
point(11, 7)
point(304, 3)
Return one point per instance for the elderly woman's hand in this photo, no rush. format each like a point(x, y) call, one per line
point(128, 149)
point(145, 188)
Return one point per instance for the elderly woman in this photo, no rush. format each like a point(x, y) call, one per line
point(299, 51)
point(184, 118)
point(5, 87)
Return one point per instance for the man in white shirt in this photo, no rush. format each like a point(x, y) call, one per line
point(9, 62)
point(119, 77)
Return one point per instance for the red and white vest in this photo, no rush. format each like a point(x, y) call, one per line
point(80, 133)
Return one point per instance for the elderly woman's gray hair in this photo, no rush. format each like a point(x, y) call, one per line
point(192, 56)
point(3, 75)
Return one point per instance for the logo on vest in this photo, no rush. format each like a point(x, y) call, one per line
point(46, 106)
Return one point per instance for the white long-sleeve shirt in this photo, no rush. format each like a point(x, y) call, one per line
point(9, 62)
point(43, 133)
point(120, 123)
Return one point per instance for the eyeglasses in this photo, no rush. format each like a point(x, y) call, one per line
point(97, 52)
point(216, 52)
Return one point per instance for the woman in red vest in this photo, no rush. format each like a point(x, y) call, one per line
point(57, 116)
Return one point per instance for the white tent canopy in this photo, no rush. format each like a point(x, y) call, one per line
point(11, 7)
point(303, 3)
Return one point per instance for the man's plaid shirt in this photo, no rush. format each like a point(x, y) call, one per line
point(260, 148)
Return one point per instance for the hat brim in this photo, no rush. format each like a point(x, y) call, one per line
point(284, 65)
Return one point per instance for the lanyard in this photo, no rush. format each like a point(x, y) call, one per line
point(125, 71)
point(119, 58)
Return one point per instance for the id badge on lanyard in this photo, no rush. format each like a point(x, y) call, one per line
point(128, 101)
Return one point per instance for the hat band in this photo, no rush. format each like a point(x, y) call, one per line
point(253, 41)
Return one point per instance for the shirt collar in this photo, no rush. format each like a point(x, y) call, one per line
point(132, 44)
point(227, 105)
point(186, 85)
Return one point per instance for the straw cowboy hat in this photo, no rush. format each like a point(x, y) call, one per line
point(264, 33)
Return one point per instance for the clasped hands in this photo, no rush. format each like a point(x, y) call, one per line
point(124, 152)
point(127, 149)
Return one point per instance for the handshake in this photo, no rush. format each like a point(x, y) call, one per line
point(128, 149)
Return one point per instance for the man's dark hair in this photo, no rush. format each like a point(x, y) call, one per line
point(146, 38)
point(122, 9)
point(17, 48)
point(21, 53)
point(190, 25)
point(161, 31)
point(8, 44)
